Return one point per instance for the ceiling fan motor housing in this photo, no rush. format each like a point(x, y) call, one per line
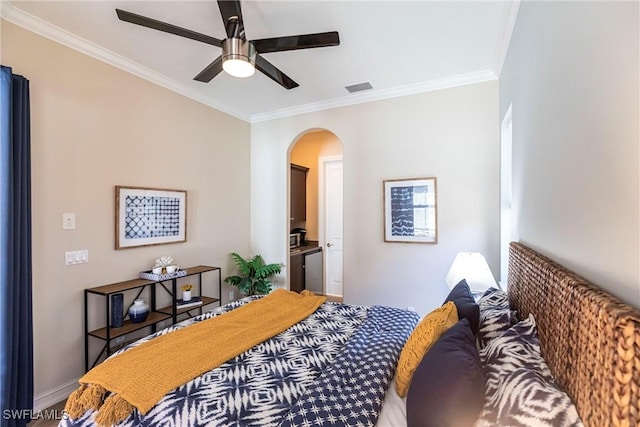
point(239, 52)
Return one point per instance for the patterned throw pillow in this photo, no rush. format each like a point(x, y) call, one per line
point(493, 323)
point(495, 316)
point(494, 299)
point(421, 339)
point(520, 390)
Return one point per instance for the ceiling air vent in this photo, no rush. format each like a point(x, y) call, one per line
point(359, 87)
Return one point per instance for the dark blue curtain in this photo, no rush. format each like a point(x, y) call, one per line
point(16, 328)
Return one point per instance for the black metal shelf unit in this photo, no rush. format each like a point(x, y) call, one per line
point(156, 315)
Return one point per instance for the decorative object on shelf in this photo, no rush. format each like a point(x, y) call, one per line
point(186, 292)
point(163, 261)
point(150, 216)
point(117, 305)
point(162, 265)
point(410, 210)
point(160, 277)
point(473, 267)
point(138, 311)
point(253, 275)
point(193, 302)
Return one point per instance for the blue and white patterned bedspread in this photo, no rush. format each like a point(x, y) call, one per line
point(333, 368)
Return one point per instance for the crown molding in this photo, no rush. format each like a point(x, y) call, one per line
point(377, 95)
point(36, 25)
point(509, 17)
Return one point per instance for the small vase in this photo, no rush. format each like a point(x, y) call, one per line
point(139, 311)
point(186, 295)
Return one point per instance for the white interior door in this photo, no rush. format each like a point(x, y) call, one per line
point(331, 201)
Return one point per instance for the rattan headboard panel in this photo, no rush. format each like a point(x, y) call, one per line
point(590, 339)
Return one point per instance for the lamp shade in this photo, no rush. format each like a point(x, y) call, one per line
point(472, 267)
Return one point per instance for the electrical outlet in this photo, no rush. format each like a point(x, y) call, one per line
point(411, 308)
point(232, 295)
point(68, 221)
point(118, 340)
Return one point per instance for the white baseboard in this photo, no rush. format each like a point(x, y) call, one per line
point(54, 396)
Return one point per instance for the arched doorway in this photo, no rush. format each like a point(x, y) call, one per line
point(317, 155)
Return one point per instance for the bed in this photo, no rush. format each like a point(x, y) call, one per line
point(339, 366)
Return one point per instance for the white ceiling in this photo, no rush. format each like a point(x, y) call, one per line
point(399, 47)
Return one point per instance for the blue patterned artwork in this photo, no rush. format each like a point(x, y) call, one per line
point(147, 216)
point(402, 211)
point(410, 210)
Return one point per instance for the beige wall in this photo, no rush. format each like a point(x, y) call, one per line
point(94, 127)
point(451, 134)
point(306, 152)
point(576, 121)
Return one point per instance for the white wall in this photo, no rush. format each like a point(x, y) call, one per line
point(572, 76)
point(93, 127)
point(451, 134)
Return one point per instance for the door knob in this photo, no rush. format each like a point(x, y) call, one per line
point(329, 245)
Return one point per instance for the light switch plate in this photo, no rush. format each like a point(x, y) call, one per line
point(76, 257)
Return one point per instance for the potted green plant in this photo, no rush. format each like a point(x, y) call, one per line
point(253, 275)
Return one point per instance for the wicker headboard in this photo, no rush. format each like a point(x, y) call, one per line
point(590, 339)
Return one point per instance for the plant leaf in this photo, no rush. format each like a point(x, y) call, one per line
point(253, 274)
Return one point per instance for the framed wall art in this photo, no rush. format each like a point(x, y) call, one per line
point(150, 216)
point(410, 210)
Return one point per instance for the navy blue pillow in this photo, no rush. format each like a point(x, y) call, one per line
point(447, 388)
point(465, 303)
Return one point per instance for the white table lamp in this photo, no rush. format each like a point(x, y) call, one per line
point(472, 267)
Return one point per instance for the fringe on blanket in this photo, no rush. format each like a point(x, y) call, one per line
point(111, 410)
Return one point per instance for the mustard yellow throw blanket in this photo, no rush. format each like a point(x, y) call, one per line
point(141, 376)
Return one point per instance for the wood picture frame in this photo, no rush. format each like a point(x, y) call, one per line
point(411, 210)
point(149, 216)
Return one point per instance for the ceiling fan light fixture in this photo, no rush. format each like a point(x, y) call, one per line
point(238, 57)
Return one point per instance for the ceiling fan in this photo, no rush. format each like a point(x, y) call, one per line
point(240, 57)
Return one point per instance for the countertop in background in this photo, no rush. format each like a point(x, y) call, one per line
point(309, 247)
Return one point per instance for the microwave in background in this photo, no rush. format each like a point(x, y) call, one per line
point(295, 240)
point(302, 232)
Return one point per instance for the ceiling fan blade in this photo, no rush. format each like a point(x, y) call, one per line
point(210, 72)
point(270, 70)
point(303, 41)
point(232, 18)
point(143, 21)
